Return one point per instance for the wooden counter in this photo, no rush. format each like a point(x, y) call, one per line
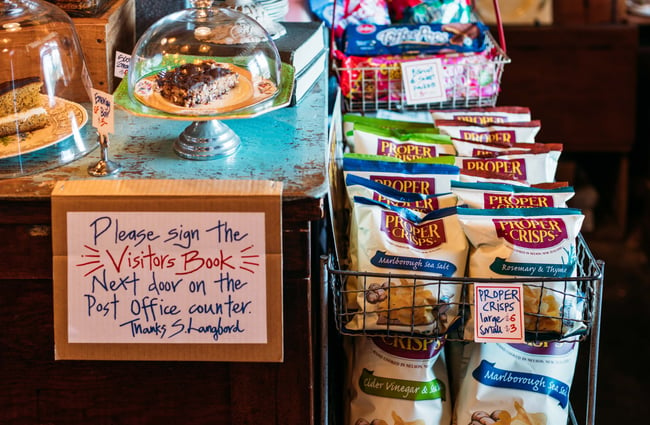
point(289, 145)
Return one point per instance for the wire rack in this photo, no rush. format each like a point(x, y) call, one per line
point(470, 81)
point(589, 281)
point(584, 290)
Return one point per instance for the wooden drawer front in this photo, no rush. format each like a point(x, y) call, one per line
point(26, 252)
point(579, 81)
point(38, 389)
point(296, 250)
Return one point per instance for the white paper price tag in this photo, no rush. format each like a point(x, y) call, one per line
point(423, 81)
point(103, 116)
point(498, 313)
point(122, 61)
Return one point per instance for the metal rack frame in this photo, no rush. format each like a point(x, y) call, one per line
point(590, 273)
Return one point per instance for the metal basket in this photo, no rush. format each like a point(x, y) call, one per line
point(588, 282)
point(472, 83)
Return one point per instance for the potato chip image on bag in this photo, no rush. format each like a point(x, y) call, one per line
point(516, 384)
point(386, 239)
point(530, 242)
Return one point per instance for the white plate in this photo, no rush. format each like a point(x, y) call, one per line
point(245, 93)
point(64, 118)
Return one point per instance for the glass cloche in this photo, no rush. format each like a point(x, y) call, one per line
point(44, 89)
point(204, 64)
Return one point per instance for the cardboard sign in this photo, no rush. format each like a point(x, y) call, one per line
point(423, 81)
point(498, 313)
point(195, 267)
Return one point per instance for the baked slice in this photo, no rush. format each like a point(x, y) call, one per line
point(21, 106)
point(196, 84)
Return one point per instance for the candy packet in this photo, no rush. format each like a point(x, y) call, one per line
point(435, 11)
point(410, 39)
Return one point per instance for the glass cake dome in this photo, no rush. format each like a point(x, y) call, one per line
point(44, 89)
point(204, 64)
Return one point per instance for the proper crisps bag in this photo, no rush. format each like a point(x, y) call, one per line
point(418, 202)
point(396, 381)
point(385, 239)
point(516, 384)
point(405, 145)
point(427, 178)
point(484, 115)
point(494, 196)
point(530, 242)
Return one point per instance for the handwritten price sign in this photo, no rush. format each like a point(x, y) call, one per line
point(423, 81)
point(103, 115)
point(498, 313)
point(173, 277)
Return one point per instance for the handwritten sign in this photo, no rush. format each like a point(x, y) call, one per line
point(168, 270)
point(179, 277)
point(103, 116)
point(498, 313)
point(423, 81)
point(122, 61)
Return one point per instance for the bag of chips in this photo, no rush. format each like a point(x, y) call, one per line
point(504, 134)
point(385, 239)
point(530, 242)
point(516, 384)
point(426, 178)
point(417, 202)
point(484, 115)
point(400, 381)
point(405, 145)
point(494, 196)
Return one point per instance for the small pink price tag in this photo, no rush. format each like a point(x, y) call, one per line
point(103, 119)
point(423, 81)
point(498, 313)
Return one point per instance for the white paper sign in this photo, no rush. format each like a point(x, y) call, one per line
point(103, 116)
point(122, 61)
point(423, 81)
point(166, 277)
point(498, 313)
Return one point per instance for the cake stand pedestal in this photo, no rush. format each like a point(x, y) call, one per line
point(206, 140)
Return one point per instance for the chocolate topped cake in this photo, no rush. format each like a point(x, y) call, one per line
point(196, 84)
point(21, 107)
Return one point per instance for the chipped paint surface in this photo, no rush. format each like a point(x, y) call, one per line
point(288, 145)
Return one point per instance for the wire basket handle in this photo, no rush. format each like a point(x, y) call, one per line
point(499, 22)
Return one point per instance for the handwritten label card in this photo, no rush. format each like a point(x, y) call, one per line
point(423, 81)
point(498, 313)
point(122, 61)
point(103, 114)
point(168, 270)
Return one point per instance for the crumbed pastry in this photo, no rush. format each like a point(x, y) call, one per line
point(196, 84)
point(21, 107)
